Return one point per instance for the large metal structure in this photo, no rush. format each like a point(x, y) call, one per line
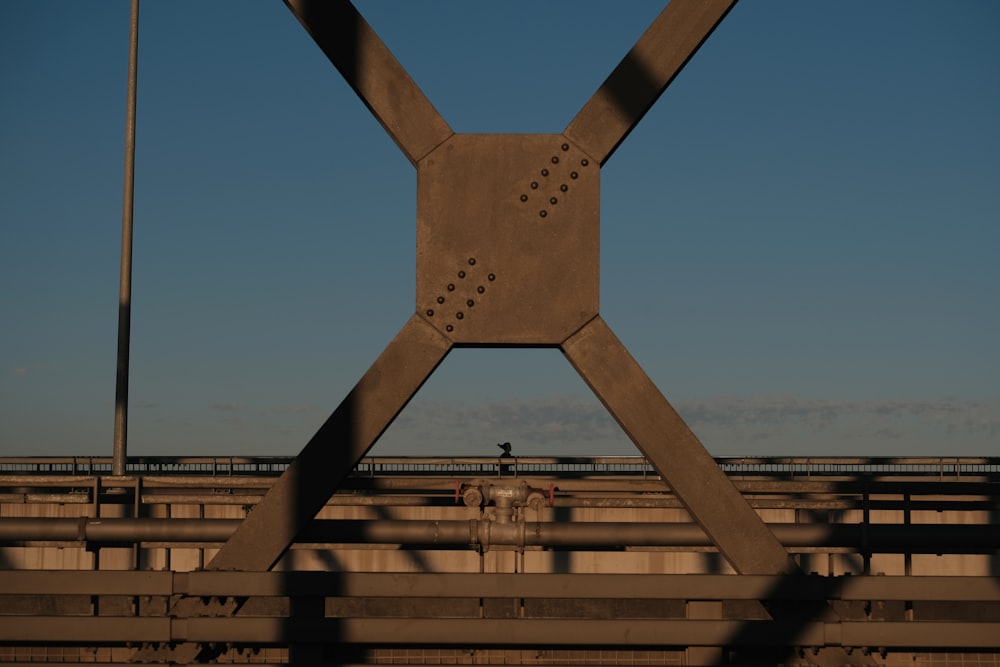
point(507, 255)
point(522, 561)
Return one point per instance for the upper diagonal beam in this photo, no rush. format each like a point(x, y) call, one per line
point(305, 486)
point(374, 74)
point(645, 72)
point(674, 450)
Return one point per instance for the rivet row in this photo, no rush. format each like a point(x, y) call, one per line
point(470, 303)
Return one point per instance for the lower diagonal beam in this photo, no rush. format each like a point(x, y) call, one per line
point(302, 490)
point(674, 450)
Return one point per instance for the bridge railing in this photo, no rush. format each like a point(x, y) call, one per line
point(629, 466)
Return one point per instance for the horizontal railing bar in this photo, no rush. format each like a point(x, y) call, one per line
point(505, 632)
point(271, 465)
point(85, 582)
point(488, 585)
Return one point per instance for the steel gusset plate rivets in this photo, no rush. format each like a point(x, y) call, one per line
point(464, 292)
point(556, 172)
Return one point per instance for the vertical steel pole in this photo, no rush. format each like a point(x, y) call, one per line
point(125, 279)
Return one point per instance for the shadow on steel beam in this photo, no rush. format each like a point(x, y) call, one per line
point(562, 559)
point(327, 458)
point(412, 554)
point(325, 461)
point(781, 606)
point(799, 615)
point(994, 519)
point(322, 465)
point(632, 89)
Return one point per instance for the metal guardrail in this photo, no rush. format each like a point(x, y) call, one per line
point(631, 625)
point(788, 467)
point(145, 465)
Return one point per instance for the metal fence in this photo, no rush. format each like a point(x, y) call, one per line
point(579, 466)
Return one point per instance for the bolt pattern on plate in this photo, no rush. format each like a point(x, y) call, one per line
point(527, 207)
point(455, 301)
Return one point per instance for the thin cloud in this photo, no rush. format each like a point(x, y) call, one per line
point(816, 415)
point(534, 423)
point(293, 410)
point(729, 425)
point(20, 372)
point(227, 407)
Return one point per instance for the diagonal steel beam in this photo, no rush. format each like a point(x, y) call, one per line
point(302, 490)
point(645, 72)
point(374, 73)
point(670, 445)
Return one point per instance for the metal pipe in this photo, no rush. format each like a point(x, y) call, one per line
point(103, 530)
point(125, 278)
point(881, 538)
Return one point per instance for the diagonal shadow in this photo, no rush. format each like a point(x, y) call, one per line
point(784, 605)
point(340, 443)
point(645, 72)
point(304, 612)
point(373, 72)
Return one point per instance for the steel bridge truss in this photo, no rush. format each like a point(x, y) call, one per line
point(507, 255)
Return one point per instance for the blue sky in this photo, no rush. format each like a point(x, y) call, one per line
point(799, 241)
